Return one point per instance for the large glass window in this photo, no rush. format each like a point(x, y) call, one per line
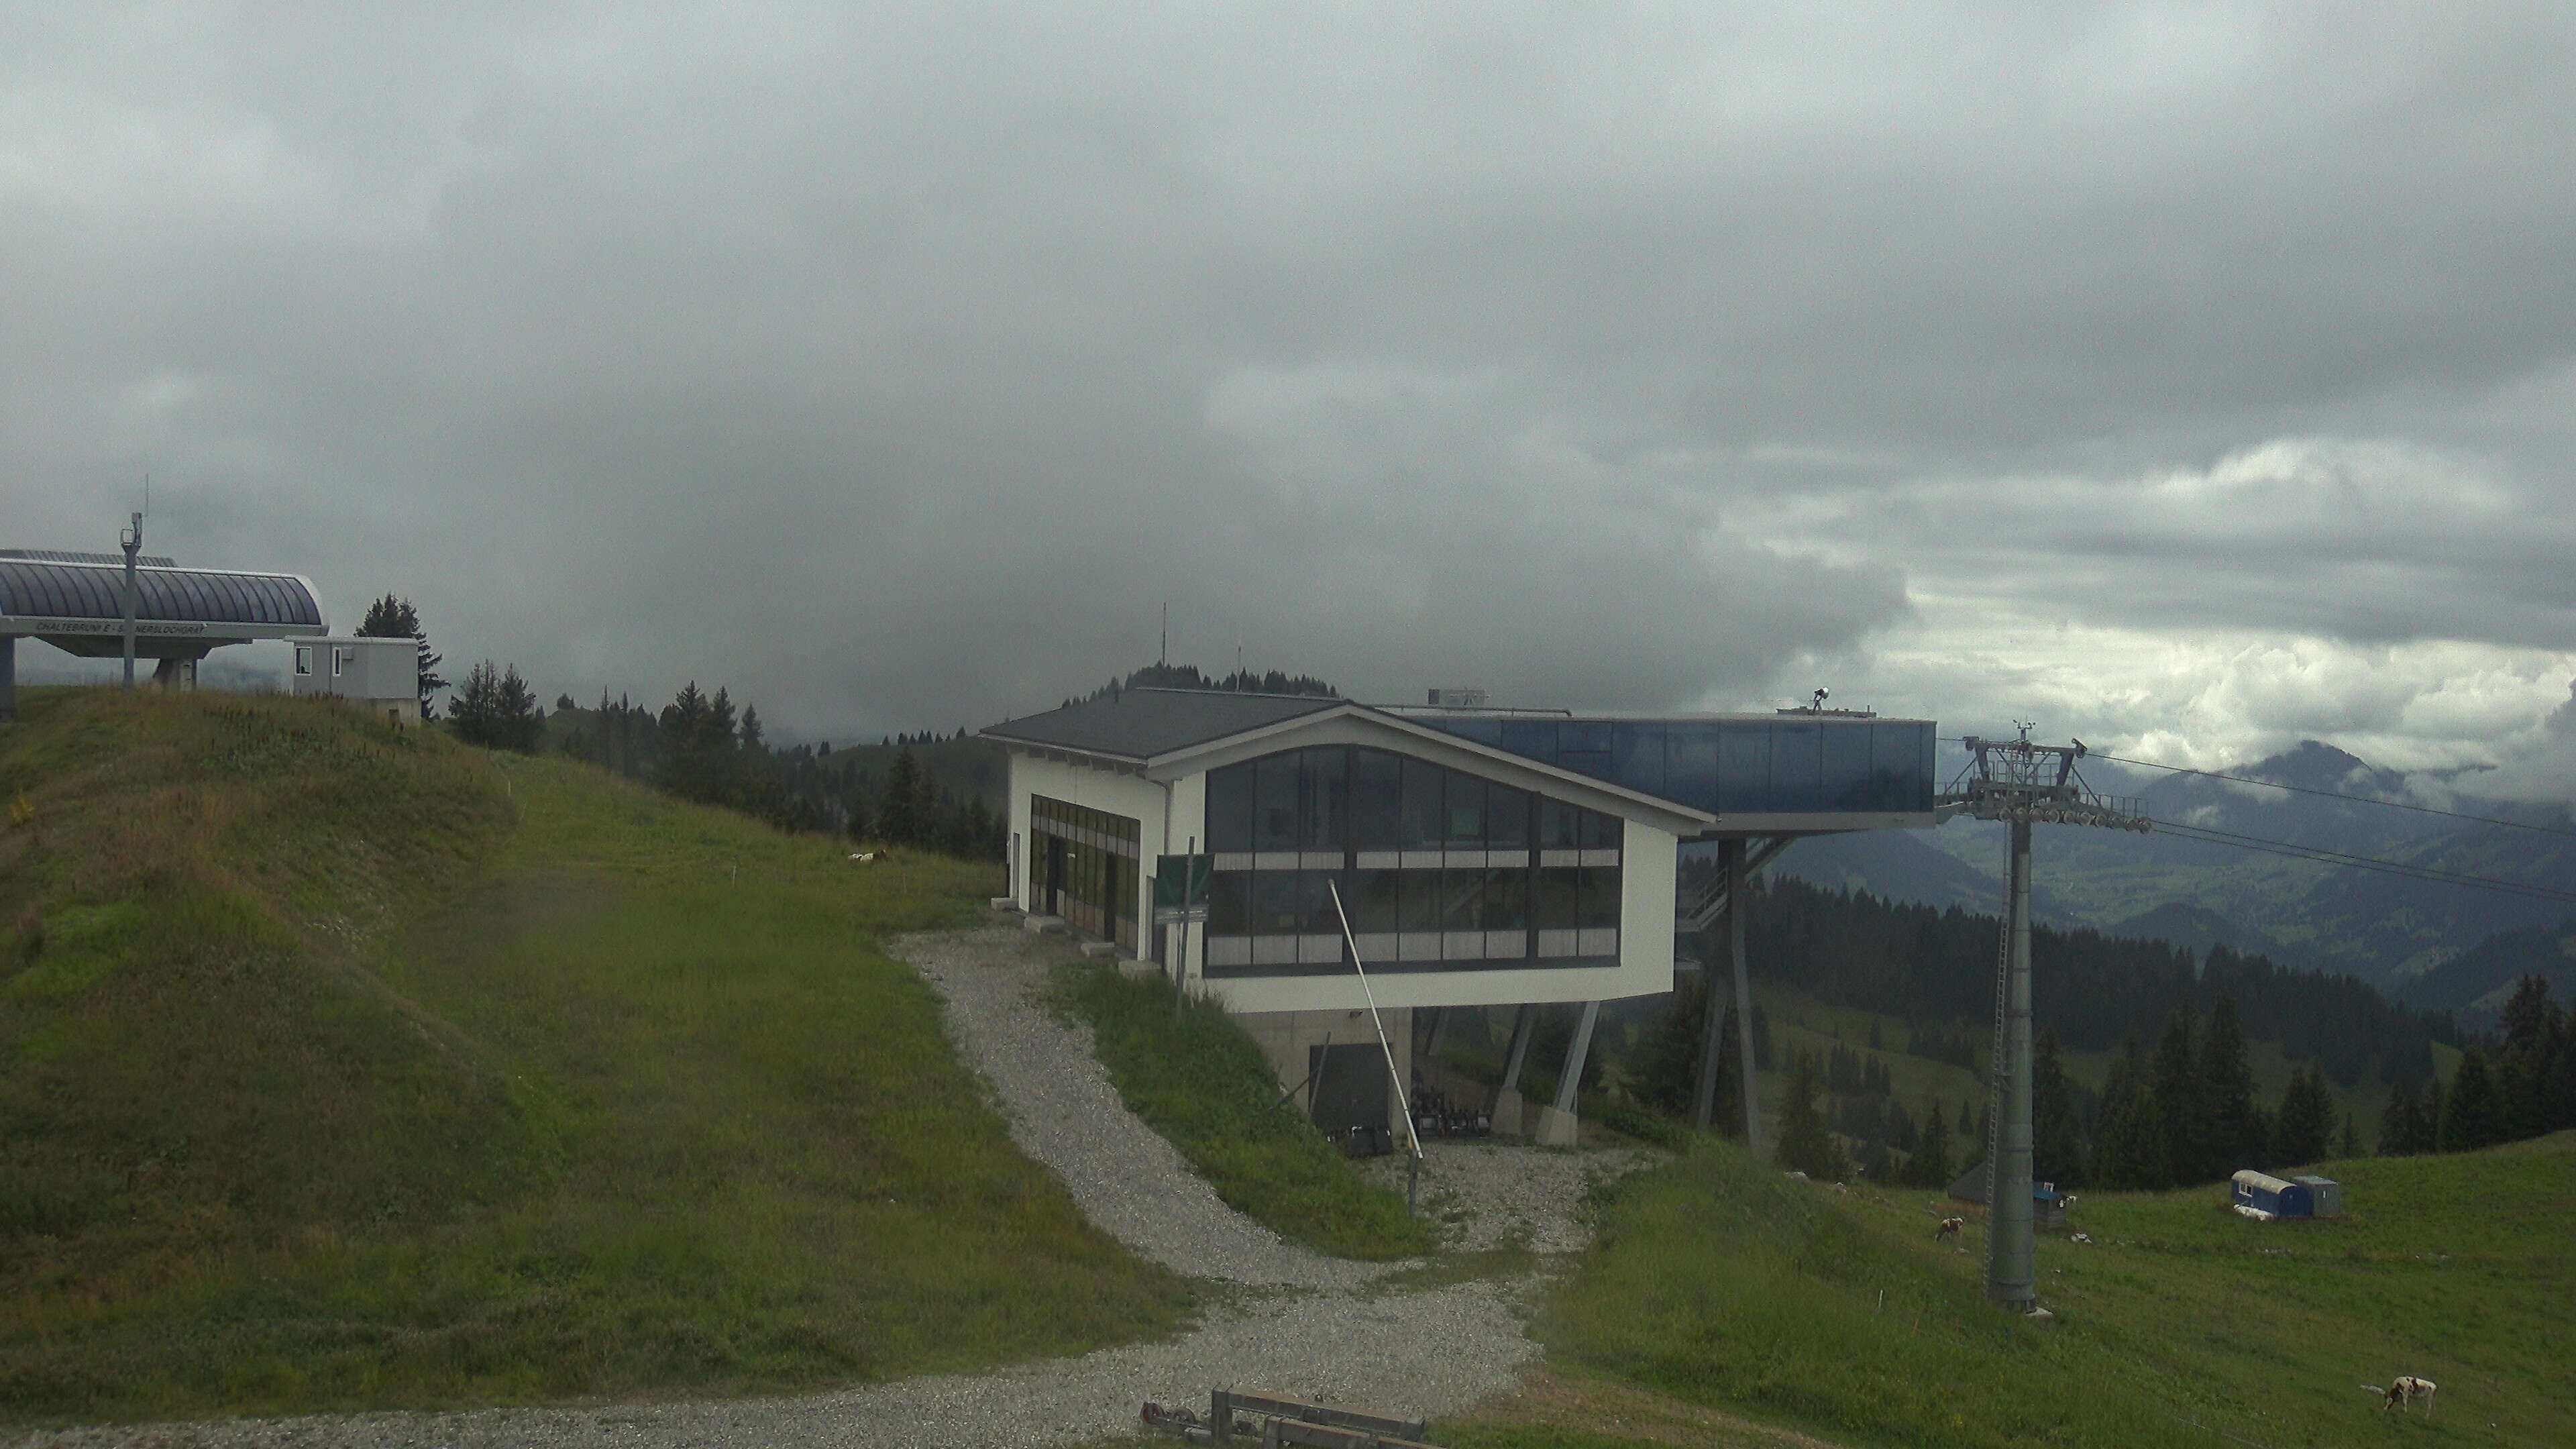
point(1534, 738)
point(1846, 784)
point(1583, 745)
point(1743, 768)
point(1506, 898)
point(1377, 800)
point(1462, 895)
point(1277, 909)
point(1426, 821)
point(1507, 818)
point(1230, 903)
point(1275, 806)
point(1323, 794)
point(1373, 898)
point(1085, 865)
point(1229, 810)
point(1559, 825)
point(1637, 755)
point(1466, 803)
point(1797, 766)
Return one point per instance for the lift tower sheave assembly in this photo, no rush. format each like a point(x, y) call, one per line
point(2022, 784)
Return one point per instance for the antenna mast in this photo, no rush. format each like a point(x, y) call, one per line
point(2021, 783)
point(131, 540)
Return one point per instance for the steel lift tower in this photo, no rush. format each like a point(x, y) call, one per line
point(2022, 784)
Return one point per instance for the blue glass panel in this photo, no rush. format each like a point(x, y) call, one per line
point(1482, 731)
point(1426, 823)
point(1371, 901)
point(1797, 766)
point(1462, 899)
point(1846, 783)
point(1507, 818)
point(1637, 755)
point(1323, 797)
point(1466, 803)
point(1274, 902)
point(1557, 824)
point(1895, 780)
point(1931, 768)
point(1535, 738)
point(1558, 905)
point(1584, 747)
point(1230, 903)
point(1743, 766)
point(1229, 808)
point(1690, 763)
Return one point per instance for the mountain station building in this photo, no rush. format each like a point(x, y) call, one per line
point(76, 602)
point(1484, 857)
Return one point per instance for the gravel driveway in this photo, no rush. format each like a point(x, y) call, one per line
point(1430, 1353)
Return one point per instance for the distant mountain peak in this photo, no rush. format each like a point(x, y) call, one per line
point(2316, 765)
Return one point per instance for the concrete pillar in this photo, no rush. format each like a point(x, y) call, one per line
point(1509, 1110)
point(2011, 1274)
point(1431, 1034)
point(165, 675)
point(1736, 910)
point(1557, 1124)
point(8, 677)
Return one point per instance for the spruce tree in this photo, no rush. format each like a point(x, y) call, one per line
point(900, 817)
point(2475, 1115)
point(2235, 1137)
point(2348, 1146)
point(1930, 1165)
point(2176, 1086)
point(2056, 1136)
point(2400, 1131)
point(1805, 1146)
point(2304, 1132)
point(2130, 1151)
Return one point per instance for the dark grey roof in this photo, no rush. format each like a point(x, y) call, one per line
point(1139, 724)
point(30, 588)
point(68, 555)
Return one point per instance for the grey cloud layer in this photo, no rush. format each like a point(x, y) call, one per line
point(893, 369)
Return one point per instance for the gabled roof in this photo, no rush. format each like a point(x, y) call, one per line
point(1139, 724)
point(1175, 730)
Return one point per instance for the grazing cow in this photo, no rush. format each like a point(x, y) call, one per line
point(1949, 1228)
point(2403, 1391)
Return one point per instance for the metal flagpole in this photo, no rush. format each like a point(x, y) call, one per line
point(1413, 1166)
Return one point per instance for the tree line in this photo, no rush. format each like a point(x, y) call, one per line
point(2525, 1088)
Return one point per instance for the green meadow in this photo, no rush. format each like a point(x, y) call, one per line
point(345, 1067)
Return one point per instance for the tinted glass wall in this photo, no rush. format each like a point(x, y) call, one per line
point(1759, 766)
point(1086, 866)
point(1437, 868)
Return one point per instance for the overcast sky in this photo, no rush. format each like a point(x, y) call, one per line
point(2194, 379)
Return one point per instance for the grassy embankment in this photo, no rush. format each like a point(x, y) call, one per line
point(1718, 1285)
point(344, 1067)
point(1196, 1078)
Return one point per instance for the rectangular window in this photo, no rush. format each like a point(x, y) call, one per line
point(1426, 824)
point(1600, 908)
point(1600, 832)
point(1507, 818)
point(1506, 899)
point(304, 659)
point(1637, 755)
point(1377, 800)
point(1323, 798)
point(1797, 767)
point(1557, 827)
point(1315, 903)
point(1373, 902)
point(1462, 897)
point(1465, 795)
point(1229, 809)
point(1846, 782)
point(1274, 903)
point(1418, 892)
point(1230, 903)
point(1744, 767)
point(1274, 812)
point(1583, 745)
point(1558, 903)
point(339, 662)
point(1535, 738)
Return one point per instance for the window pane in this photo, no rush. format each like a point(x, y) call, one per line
point(1507, 818)
point(1274, 903)
point(1466, 797)
point(1797, 767)
point(1690, 763)
point(1601, 832)
point(1230, 903)
point(1558, 905)
point(1743, 767)
point(1229, 808)
point(1600, 897)
point(1324, 795)
point(1419, 898)
point(1482, 731)
point(1557, 829)
point(1846, 782)
point(1372, 901)
point(1315, 903)
point(1426, 827)
point(1584, 745)
point(1506, 904)
point(1637, 755)
point(1462, 896)
point(1274, 812)
point(1377, 800)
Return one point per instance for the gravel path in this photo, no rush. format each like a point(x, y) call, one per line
point(1429, 1353)
point(1065, 1113)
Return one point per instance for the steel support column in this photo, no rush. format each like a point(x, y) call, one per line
point(2011, 1274)
point(8, 677)
point(1508, 1107)
point(1558, 1124)
point(1736, 879)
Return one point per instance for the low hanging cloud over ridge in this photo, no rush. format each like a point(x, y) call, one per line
point(2195, 379)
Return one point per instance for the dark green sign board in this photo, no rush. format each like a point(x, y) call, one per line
point(1181, 887)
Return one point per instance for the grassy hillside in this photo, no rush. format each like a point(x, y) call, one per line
point(350, 1067)
point(1201, 1082)
point(1719, 1283)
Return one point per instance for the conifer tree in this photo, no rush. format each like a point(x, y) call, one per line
point(2349, 1145)
point(2475, 1115)
point(900, 816)
point(1805, 1146)
point(2056, 1137)
point(2130, 1153)
point(2304, 1132)
point(2399, 1122)
point(1930, 1164)
point(2235, 1136)
point(2176, 1086)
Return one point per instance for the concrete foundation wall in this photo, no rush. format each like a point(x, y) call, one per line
point(1286, 1037)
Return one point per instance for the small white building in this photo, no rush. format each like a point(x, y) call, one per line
point(379, 676)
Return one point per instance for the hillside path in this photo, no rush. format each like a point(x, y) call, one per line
point(1319, 1333)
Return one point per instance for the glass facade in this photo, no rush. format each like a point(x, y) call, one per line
point(1438, 868)
point(1085, 865)
point(1818, 764)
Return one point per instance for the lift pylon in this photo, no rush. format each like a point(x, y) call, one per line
point(2022, 784)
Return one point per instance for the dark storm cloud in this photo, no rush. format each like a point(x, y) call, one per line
point(894, 368)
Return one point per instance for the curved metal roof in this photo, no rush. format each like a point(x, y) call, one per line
point(38, 589)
